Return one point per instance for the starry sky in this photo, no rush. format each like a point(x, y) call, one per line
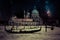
point(11, 7)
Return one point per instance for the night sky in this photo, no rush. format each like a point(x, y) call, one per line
point(12, 7)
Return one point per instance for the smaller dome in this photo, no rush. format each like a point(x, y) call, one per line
point(35, 11)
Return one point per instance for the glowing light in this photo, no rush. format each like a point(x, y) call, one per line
point(49, 8)
point(49, 13)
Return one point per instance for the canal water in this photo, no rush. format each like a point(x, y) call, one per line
point(41, 35)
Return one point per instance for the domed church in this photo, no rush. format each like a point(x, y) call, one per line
point(35, 14)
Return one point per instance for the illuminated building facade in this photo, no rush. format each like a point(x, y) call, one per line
point(34, 20)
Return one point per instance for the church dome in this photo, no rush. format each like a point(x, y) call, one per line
point(35, 11)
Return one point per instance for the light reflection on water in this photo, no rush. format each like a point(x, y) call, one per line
point(41, 35)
